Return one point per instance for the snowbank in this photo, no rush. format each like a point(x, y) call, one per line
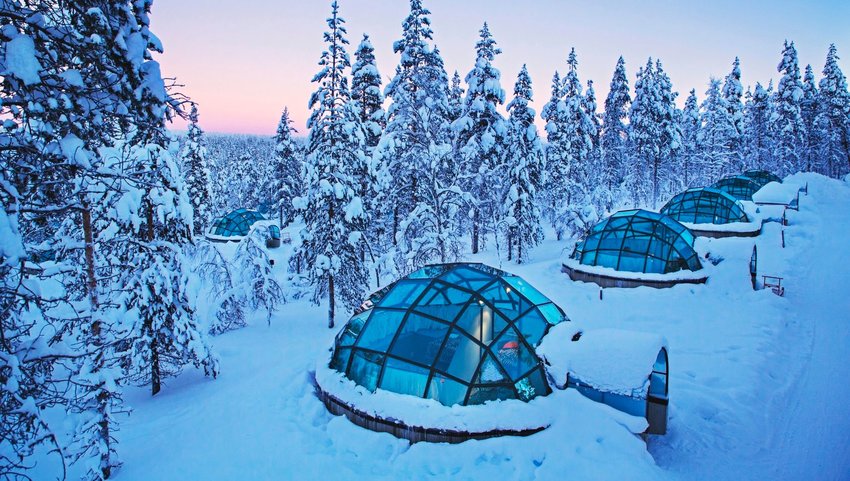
point(612, 360)
point(775, 193)
point(683, 275)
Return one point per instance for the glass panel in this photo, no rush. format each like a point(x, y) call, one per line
point(447, 391)
point(467, 278)
point(419, 339)
point(526, 290)
point(365, 367)
point(504, 297)
point(340, 359)
point(404, 378)
point(607, 258)
point(404, 293)
point(514, 357)
point(658, 384)
point(352, 329)
point(551, 313)
point(460, 356)
point(482, 394)
point(532, 326)
point(427, 272)
point(477, 321)
point(380, 330)
point(490, 371)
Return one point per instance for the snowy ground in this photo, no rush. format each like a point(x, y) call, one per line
point(758, 390)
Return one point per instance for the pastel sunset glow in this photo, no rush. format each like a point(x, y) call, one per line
point(242, 62)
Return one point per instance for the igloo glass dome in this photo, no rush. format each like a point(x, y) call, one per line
point(761, 177)
point(739, 186)
point(639, 241)
point(235, 225)
point(705, 205)
point(457, 333)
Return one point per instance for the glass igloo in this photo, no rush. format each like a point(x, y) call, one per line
point(761, 177)
point(236, 224)
point(705, 205)
point(739, 186)
point(456, 333)
point(639, 241)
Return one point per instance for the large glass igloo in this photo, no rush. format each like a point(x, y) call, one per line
point(457, 333)
point(761, 177)
point(234, 225)
point(639, 241)
point(705, 205)
point(739, 186)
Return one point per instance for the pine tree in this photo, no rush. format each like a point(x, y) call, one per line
point(525, 173)
point(482, 136)
point(787, 123)
point(455, 98)
point(553, 148)
point(834, 119)
point(758, 137)
point(732, 93)
point(689, 156)
point(716, 134)
point(809, 109)
point(615, 133)
point(597, 175)
point(333, 212)
point(199, 183)
point(366, 92)
point(285, 175)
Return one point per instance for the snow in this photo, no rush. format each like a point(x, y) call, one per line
point(21, 61)
point(756, 383)
point(737, 227)
point(613, 360)
point(776, 193)
point(681, 275)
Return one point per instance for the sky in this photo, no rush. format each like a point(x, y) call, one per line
point(243, 62)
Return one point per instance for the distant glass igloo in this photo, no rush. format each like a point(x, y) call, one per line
point(456, 333)
point(234, 226)
point(633, 248)
point(739, 186)
point(705, 205)
point(761, 177)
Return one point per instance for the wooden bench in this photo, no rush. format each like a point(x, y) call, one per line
point(773, 283)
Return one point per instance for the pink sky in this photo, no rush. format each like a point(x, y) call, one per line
point(242, 62)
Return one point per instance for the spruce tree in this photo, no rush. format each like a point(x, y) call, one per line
point(456, 92)
point(366, 92)
point(758, 137)
point(732, 93)
point(285, 174)
point(809, 109)
point(689, 156)
point(525, 173)
point(787, 125)
point(614, 139)
point(716, 134)
point(194, 159)
point(553, 148)
point(482, 137)
point(333, 212)
point(835, 116)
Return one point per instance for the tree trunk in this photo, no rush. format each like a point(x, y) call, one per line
point(156, 379)
point(476, 218)
point(510, 244)
point(331, 303)
point(395, 224)
point(519, 250)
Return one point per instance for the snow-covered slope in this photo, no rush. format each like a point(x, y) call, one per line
point(758, 383)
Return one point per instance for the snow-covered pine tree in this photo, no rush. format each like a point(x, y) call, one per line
point(655, 136)
point(809, 109)
point(456, 92)
point(553, 148)
point(525, 173)
point(260, 289)
point(600, 194)
point(366, 93)
point(226, 311)
point(570, 177)
point(689, 158)
point(787, 123)
point(482, 137)
point(716, 134)
point(285, 176)
point(333, 212)
point(732, 93)
point(194, 161)
point(835, 116)
point(419, 174)
point(758, 137)
point(614, 139)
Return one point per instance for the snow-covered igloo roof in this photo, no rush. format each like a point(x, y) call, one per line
point(739, 186)
point(762, 177)
point(456, 333)
point(235, 224)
